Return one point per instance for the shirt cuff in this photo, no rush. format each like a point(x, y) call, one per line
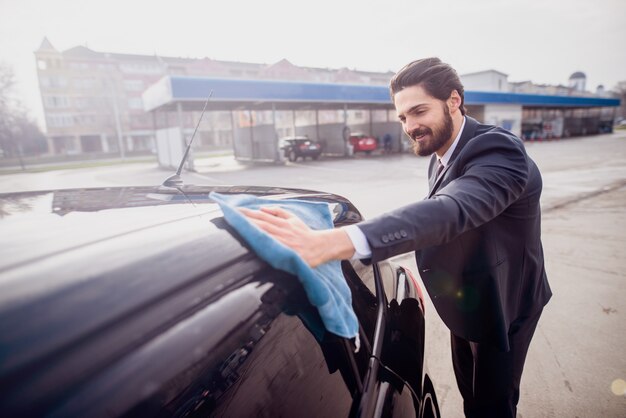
point(362, 248)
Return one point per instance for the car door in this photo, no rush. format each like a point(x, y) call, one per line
point(392, 379)
point(195, 327)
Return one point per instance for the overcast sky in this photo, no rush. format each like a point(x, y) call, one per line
point(540, 40)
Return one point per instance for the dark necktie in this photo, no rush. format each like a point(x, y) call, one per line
point(433, 179)
point(439, 169)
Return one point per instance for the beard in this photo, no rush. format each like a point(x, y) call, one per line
point(439, 135)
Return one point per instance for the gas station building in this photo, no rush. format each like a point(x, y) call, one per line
point(258, 112)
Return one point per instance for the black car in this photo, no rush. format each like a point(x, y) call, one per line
point(295, 147)
point(144, 302)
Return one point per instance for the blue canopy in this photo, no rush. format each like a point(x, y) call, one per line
point(229, 94)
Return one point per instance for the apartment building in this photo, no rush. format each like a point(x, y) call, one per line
point(92, 100)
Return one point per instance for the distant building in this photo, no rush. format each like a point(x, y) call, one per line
point(541, 121)
point(578, 81)
point(529, 87)
point(92, 100)
point(489, 80)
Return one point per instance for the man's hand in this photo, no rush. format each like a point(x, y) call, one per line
point(315, 247)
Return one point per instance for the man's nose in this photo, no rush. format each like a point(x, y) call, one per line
point(410, 125)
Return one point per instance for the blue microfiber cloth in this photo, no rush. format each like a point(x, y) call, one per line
point(324, 285)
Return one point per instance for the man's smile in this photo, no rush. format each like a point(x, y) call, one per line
point(418, 135)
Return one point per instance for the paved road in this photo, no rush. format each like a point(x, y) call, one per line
point(578, 351)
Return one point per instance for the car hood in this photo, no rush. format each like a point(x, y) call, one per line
point(38, 224)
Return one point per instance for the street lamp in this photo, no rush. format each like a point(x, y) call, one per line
point(112, 96)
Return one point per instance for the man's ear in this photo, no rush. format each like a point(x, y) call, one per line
point(454, 101)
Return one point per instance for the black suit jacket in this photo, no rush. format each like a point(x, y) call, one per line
point(476, 236)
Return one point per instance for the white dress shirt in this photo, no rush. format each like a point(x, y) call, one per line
point(361, 246)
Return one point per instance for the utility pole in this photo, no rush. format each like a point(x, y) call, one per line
point(112, 87)
point(118, 128)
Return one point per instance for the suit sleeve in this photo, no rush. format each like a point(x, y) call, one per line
point(491, 172)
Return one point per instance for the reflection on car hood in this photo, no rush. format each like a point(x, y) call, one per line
point(37, 224)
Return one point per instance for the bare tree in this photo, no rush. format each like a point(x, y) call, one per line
point(6, 118)
point(19, 134)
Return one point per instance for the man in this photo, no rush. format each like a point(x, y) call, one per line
point(387, 143)
point(476, 236)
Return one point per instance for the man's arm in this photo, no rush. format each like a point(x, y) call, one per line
point(494, 172)
point(362, 248)
point(315, 247)
point(491, 173)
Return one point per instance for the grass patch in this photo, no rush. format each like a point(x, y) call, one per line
point(71, 166)
point(41, 168)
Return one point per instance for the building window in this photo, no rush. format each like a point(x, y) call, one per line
point(57, 82)
point(133, 85)
point(79, 65)
point(82, 102)
point(177, 70)
point(85, 120)
point(141, 121)
point(85, 83)
point(135, 103)
point(140, 68)
point(42, 64)
point(60, 121)
point(57, 102)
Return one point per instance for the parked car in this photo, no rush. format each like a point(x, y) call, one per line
point(143, 301)
point(300, 147)
point(363, 143)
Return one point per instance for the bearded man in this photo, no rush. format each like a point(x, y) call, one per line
point(476, 236)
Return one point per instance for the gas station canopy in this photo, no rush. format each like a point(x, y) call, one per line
point(238, 94)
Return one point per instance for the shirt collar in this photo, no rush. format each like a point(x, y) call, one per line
point(446, 157)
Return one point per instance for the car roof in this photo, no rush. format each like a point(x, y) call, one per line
point(57, 239)
point(296, 138)
point(38, 224)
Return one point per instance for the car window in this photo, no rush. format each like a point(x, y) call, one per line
point(366, 274)
point(360, 279)
point(258, 349)
point(403, 350)
point(295, 369)
point(388, 278)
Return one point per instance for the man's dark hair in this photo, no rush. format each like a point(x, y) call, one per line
point(436, 77)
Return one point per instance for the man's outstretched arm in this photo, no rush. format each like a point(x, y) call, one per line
point(315, 247)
